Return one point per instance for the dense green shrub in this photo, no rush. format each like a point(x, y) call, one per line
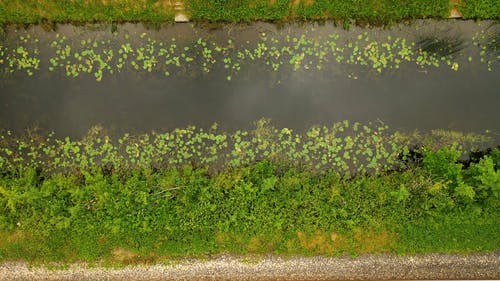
point(259, 208)
point(479, 182)
point(485, 178)
point(442, 164)
point(495, 156)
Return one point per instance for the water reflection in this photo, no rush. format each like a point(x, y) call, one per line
point(408, 98)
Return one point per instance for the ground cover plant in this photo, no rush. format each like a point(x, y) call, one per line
point(329, 54)
point(378, 12)
point(349, 188)
point(51, 11)
point(480, 9)
point(345, 11)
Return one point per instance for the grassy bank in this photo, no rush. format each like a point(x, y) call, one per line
point(39, 11)
point(363, 11)
point(145, 198)
point(379, 12)
point(480, 9)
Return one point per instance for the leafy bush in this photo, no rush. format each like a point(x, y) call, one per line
point(495, 157)
point(258, 208)
point(443, 164)
point(480, 181)
point(485, 177)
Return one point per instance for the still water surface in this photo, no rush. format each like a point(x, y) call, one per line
point(407, 99)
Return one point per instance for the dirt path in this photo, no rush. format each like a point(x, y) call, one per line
point(368, 267)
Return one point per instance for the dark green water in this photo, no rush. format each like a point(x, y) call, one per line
point(138, 101)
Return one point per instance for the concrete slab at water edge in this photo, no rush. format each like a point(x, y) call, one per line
point(455, 14)
point(181, 18)
point(227, 267)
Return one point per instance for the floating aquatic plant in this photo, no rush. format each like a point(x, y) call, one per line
point(346, 147)
point(20, 57)
point(296, 53)
point(488, 42)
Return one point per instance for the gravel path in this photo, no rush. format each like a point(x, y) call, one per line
point(432, 266)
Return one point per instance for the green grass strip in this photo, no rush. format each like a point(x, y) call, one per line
point(37, 11)
point(480, 9)
point(373, 11)
point(384, 11)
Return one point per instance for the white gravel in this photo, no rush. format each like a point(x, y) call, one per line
point(227, 267)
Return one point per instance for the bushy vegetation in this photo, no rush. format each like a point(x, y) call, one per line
point(145, 198)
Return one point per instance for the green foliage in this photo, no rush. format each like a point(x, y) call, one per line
point(35, 11)
point(372, 11)
point(264, 207)
point(485, 177)
point(385, 11)
point(495, 157)
point(470, 231)
point(465, 192)
point(401, 195)
point(480, 9)
point(238, 10)
point(479, 182)
point(442, 164)
point(38, 11)
point(329, 190)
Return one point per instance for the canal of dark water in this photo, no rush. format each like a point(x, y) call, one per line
point(407, 98)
